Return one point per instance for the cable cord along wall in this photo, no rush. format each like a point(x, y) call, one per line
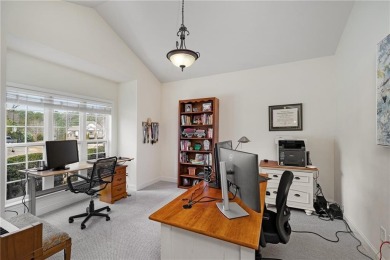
point(150, 131)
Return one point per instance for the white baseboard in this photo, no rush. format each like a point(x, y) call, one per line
point(370, 248)
point(169, 179)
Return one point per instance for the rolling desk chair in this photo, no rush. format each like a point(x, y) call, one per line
point(275, 227)
point(101, 175)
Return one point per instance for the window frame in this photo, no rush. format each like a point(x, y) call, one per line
point(48, 134)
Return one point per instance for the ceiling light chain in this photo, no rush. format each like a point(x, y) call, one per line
point(182, 57)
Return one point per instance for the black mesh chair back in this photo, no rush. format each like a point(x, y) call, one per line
point(103, 172)
point(283, 212)
point(275, 227)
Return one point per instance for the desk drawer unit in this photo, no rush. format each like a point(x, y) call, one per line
point(116, 190)
point(301, 194)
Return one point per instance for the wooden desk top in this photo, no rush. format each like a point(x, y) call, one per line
point(73, 167)
point(275, 164)
point(206, 219)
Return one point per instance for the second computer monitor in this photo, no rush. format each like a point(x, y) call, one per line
point(243, 170)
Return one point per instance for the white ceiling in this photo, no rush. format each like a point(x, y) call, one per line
point(230, 35)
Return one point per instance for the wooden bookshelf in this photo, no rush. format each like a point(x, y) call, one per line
point(198, 126)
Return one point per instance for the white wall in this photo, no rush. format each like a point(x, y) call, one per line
point(127, 128)
point(362, 168)
point(244, 100)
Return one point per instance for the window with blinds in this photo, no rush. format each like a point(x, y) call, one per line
point(34, 117)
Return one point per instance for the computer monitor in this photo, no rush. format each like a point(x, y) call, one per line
point(61, 153)
point(243, 170)
point(224, 144)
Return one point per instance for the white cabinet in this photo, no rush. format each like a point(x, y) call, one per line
point(301, 195)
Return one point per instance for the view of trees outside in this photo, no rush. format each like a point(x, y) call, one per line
point(25, 140)
point(24, 125)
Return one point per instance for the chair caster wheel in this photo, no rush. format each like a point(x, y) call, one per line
point(107, 218)
point(83, 226)
point(108, 209)
point(71, 220)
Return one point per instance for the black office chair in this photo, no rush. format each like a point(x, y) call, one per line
point(275, 227)
point(102, 174)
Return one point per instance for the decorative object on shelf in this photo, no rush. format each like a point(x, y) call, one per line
point(181, 56)
point(383, 92)
point(206, 107)
point(188, 132)
point(197, 146)
point(186, 182)
point(242, 140)
point(188, 107)
point(285, 117)
point(197, 120)
point(150, 131)
point(191, 170)
point(200, 133)
point(206, 145)
point(195, 109)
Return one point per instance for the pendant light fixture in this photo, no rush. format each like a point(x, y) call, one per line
point(181, 56)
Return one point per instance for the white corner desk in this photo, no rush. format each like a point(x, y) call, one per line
point(32, 174)
point(203, 232)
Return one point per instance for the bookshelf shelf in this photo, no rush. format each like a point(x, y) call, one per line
point(200, 115)
point(191, 176)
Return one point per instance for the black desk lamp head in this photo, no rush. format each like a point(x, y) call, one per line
point(242, 140)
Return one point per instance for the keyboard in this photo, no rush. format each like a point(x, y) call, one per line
point(3, 231)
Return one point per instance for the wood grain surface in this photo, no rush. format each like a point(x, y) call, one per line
point(206, 219)
point(274, 164)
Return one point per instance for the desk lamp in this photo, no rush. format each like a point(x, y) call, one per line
point(242, 140)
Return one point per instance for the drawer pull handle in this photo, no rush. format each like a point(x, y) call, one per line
point(275, 176)
point(275, 192)
point(297, 195)
point(297, 178)
point(267, 193)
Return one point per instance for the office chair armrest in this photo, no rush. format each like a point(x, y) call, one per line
point(70, 185)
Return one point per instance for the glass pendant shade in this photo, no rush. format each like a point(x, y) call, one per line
point(182, 58)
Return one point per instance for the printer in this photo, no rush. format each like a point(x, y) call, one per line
point(292, 153)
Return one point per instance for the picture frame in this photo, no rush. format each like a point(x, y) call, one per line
point(188, 107)
point(199, 157)
point(197, 120)
point(206, 107)
point(285, 117)
point(382, 92)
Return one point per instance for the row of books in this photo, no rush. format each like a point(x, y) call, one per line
point(204, 119)
point(185, 120)
point(207, 119)
point(210, 133)
point(185, 145)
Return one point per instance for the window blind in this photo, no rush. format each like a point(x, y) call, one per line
point(48, 100)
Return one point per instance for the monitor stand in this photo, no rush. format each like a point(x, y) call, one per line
point(234, 211)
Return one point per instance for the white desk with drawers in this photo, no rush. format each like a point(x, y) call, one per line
point(302, 190)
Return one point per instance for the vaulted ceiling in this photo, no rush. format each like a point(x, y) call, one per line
point(230, 35)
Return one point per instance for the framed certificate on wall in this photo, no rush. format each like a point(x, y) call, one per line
point(285, 117)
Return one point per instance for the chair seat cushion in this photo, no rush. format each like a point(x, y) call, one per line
point(269, 227)
point(52, 236)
